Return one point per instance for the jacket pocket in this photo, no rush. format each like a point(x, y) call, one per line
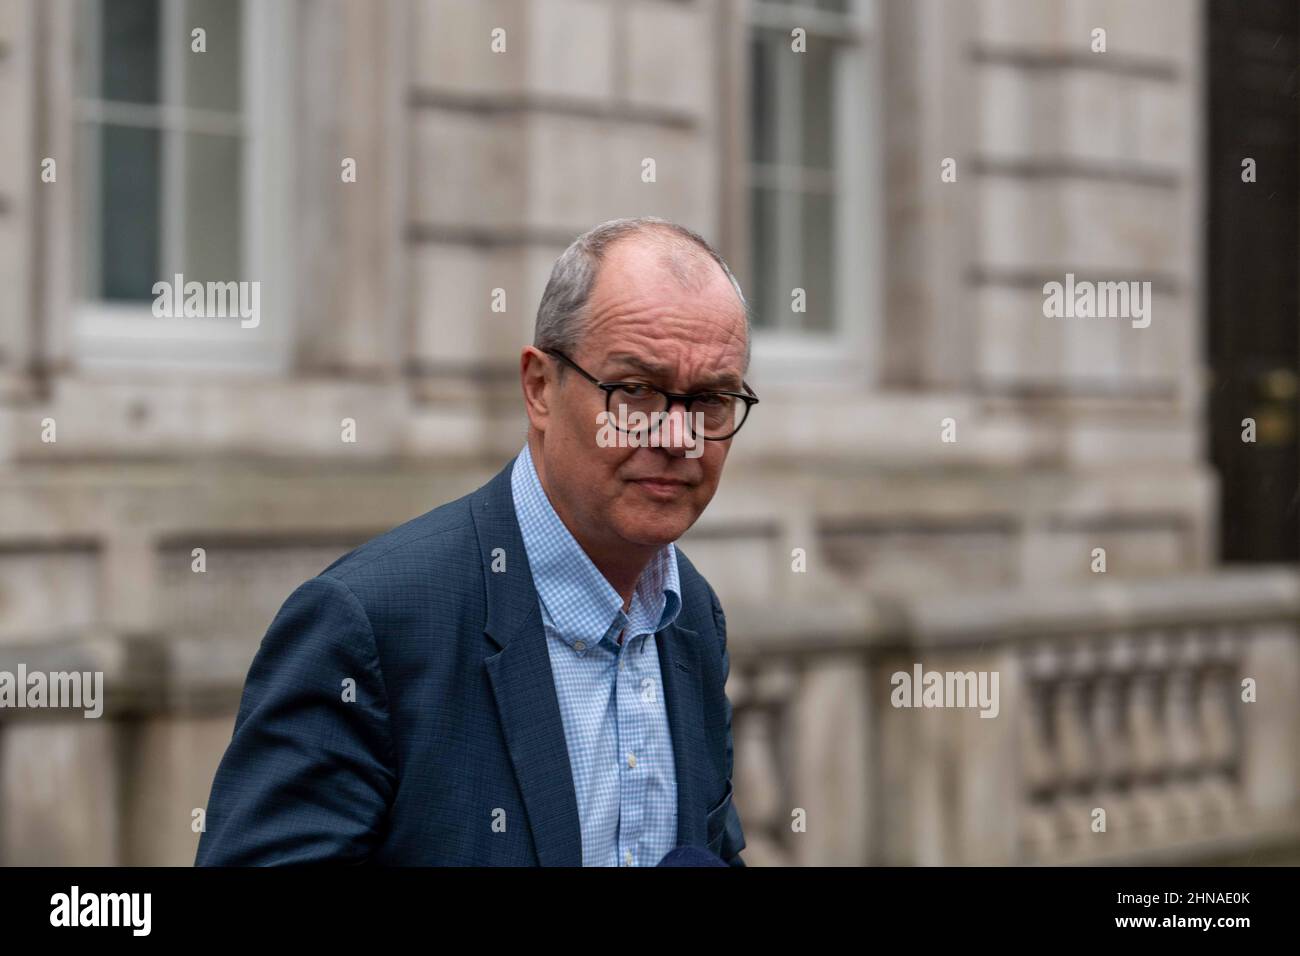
point(715, 822)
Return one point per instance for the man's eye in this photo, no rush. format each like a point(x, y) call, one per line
point(635, 391)
point(711, 400)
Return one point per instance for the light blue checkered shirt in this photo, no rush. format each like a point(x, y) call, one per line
point(611, 696)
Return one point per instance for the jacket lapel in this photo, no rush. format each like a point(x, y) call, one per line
point(679, 666)
point(522, 683)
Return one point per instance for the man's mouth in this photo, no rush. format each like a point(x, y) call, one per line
point(663, 489)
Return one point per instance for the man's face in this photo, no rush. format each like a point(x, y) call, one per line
point(645, 325)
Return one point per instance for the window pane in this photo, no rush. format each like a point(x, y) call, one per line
point(213, 205)
point(762, 107)
point(128, 53)
point(212, 78)
point(764, 250)
point(130, 169)
point(87, 199)
point(818, 251)
point(817, 106)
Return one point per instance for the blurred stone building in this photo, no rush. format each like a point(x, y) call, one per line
point(484, 135)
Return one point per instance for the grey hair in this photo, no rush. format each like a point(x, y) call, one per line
point(561, 315)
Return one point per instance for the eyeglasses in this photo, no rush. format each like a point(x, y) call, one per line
point(721, 413)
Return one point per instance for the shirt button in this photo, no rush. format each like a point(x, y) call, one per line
point(627, 857)
point(631, 761)
point(579, 645)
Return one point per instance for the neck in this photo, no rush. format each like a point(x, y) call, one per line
point(622, 576)
point(620, 563)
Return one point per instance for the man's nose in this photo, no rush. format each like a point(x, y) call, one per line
point(675, 434)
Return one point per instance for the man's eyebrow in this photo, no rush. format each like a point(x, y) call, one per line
point(718, 380)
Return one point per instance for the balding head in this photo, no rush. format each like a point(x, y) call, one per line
point(679, 251)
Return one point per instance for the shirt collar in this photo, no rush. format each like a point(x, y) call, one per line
point(581, 603)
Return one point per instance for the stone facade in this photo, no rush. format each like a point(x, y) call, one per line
point(475, 169)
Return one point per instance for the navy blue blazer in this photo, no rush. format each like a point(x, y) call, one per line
point(452, 751)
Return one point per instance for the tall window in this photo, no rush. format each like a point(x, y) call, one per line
point(162, 140)
point(809, 166)
point(182, 139)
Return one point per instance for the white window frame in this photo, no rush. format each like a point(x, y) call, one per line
point(845, 355)
point(114, 335)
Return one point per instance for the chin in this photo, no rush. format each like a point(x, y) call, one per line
point(656, 530)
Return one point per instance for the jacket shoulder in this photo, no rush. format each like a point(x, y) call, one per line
point(443, 532)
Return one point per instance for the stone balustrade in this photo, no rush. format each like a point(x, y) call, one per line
point(1126, 706)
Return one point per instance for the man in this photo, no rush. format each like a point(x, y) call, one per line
point(532, 674)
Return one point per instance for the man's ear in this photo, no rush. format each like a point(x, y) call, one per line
point(536, 377)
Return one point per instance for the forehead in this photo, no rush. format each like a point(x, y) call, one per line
point(670, 303)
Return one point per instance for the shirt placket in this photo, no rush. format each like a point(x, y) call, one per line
point(632, 751)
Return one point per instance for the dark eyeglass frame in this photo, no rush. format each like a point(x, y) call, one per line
point(748, 396)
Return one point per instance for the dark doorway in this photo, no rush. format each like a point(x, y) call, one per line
point(1253, 272)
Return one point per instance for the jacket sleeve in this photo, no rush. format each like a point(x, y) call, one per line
point(310, 771)
point(733, 840)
